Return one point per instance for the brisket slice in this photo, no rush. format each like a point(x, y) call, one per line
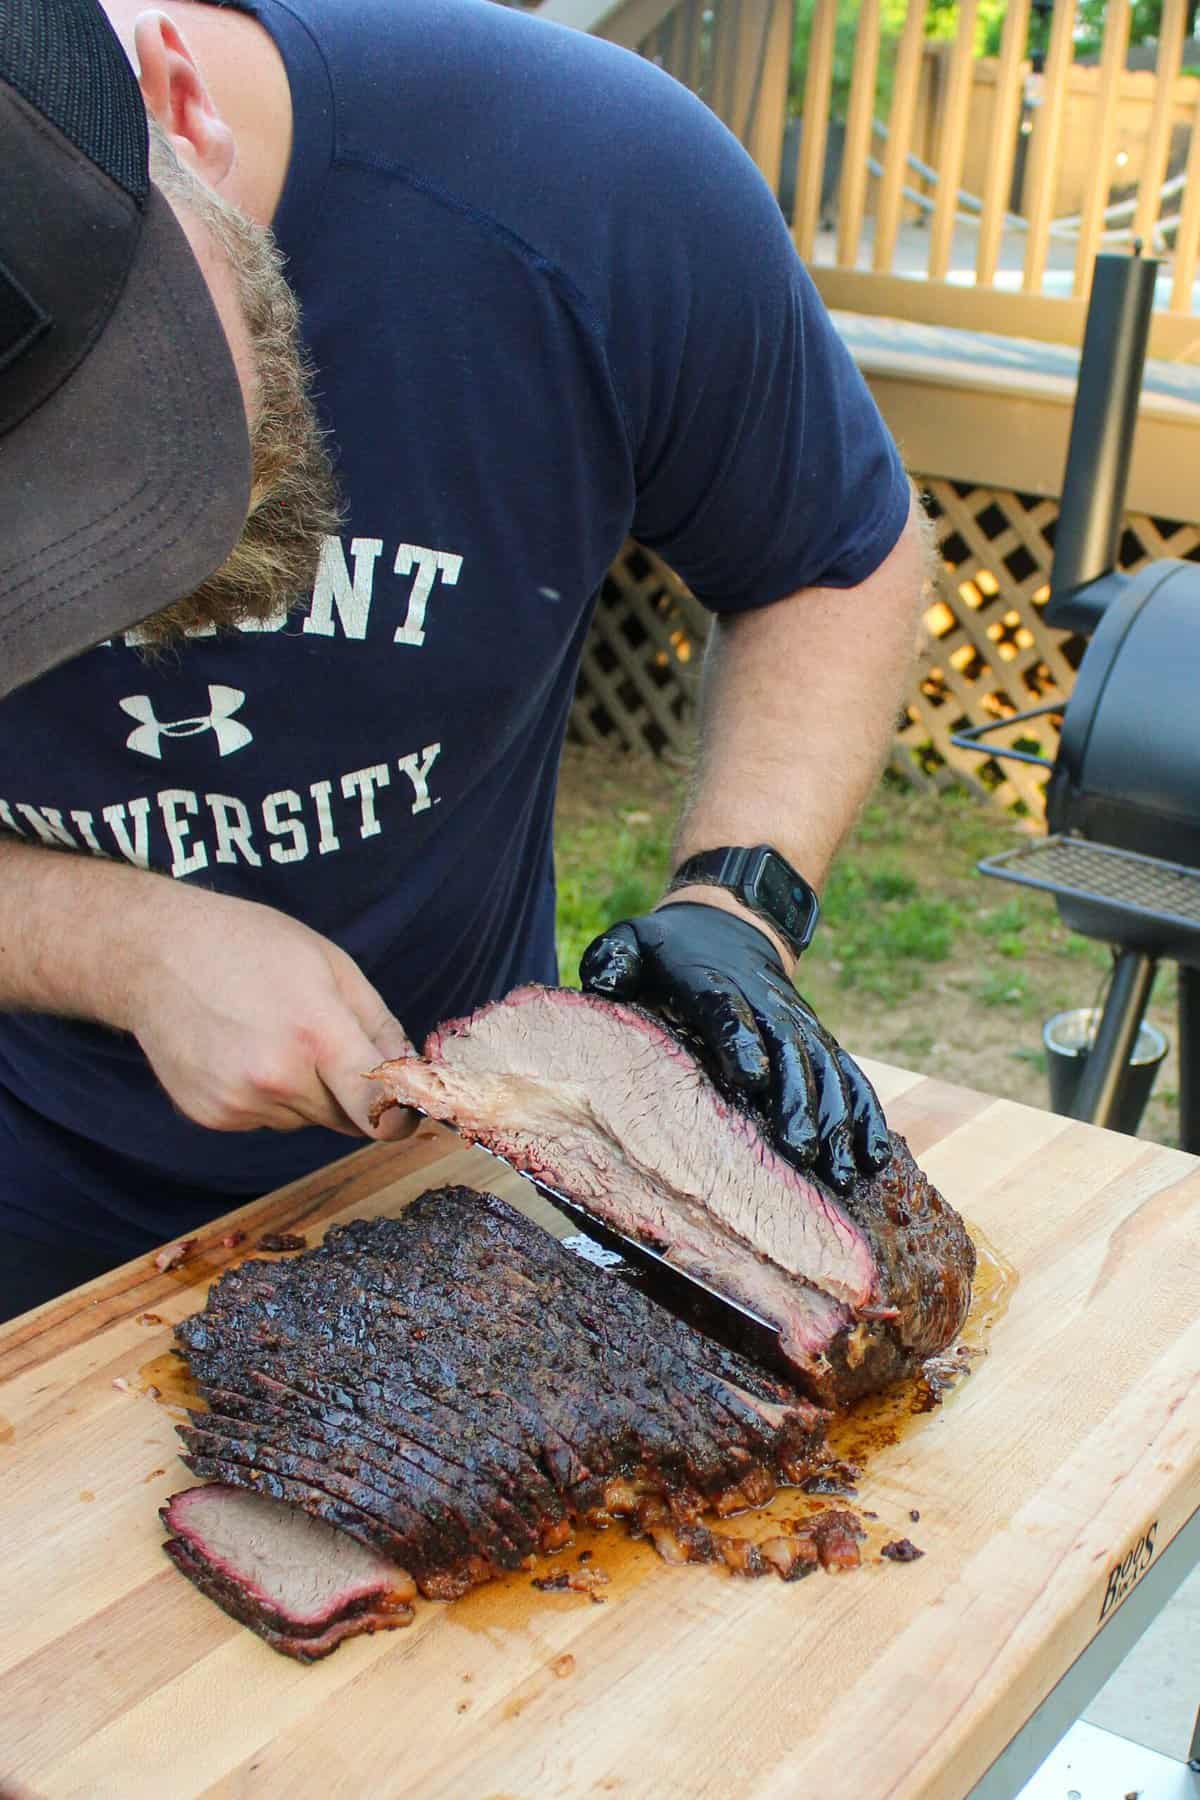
point(604, 1103)
point(302, 1586)
point(452, 1389)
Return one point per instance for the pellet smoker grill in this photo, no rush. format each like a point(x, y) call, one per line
point(1122, 854)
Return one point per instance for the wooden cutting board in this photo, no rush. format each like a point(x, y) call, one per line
point(1077, 1435)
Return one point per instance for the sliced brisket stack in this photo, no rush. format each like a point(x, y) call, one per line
point(452, 1390)
point(602, 1102)
point(299, 1583)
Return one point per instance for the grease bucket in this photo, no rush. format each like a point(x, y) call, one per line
point(1068, 1037)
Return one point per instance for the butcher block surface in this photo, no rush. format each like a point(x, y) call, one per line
point(1073, 1445)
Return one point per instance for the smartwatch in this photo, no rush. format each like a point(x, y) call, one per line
point(764, 882)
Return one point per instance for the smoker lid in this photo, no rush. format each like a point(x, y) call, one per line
point(1131, 732)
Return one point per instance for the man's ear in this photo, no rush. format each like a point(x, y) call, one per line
point(175, 94)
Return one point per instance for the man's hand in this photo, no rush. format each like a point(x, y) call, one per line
point(721, 978)
point(250, 1019)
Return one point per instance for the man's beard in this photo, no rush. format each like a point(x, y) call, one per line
point(293, 499)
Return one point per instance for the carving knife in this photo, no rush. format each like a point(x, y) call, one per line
point(706, 1309)
point(716, 1315)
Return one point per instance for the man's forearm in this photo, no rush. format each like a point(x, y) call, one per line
point(68, 924)
point(799, 705)
point(798, 709)
point(248, 1018)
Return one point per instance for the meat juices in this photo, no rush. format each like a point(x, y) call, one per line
point(452, 1390)
point(603, 1102)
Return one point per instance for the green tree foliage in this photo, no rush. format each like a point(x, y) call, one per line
point(941, 21)
point(1145, 20)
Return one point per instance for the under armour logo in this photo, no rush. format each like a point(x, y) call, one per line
point(224, 702)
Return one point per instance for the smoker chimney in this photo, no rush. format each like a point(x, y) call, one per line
point(1087, 541)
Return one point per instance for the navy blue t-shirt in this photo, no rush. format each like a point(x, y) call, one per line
point(550, 304)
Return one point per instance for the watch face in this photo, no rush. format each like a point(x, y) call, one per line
point(788, 900)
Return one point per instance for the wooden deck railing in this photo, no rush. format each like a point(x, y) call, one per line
point(956, 121)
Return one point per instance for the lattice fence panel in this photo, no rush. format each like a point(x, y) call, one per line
point(986, 652)
point(641, 664)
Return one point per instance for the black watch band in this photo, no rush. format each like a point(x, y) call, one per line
point(763, 881)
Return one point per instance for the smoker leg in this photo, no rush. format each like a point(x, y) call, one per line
point(1100, 1084)
point(1189, 1063)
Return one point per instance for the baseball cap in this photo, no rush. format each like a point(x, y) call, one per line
point(124, 451)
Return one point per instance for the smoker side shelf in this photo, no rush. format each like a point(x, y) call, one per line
point(1140, 887)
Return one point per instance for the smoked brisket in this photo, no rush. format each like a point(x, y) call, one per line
point(453, 1390)
point(604, 1103)
point(302, 1586)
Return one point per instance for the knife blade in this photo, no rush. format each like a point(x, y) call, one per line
point(712, 1313)
point(705, 1308)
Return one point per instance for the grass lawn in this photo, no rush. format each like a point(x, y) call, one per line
point(918, 960)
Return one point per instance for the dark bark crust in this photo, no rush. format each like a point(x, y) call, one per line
point(452, 1388)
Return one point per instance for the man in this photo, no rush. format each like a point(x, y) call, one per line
point(548, 302)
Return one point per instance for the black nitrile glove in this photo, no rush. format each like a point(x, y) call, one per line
point(721, 979)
